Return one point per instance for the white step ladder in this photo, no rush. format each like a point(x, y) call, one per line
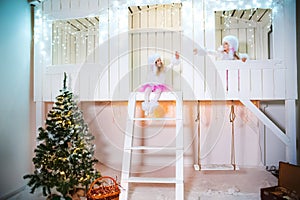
point(126, 177)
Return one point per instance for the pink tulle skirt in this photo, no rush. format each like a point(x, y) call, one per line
point(154, 87)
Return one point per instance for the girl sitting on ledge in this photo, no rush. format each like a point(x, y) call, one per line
point(156, 81)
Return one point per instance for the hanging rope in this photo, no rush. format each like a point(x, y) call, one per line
point(198, 134)
point(65, 80)
point(232, 118)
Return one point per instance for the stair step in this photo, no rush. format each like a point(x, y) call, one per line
point(151, 180)
point(153, 148)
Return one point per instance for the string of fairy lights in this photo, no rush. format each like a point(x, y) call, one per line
point(60, 36)
point(78, 36)
point(250, 18)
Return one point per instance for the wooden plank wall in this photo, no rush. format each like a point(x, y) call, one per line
point(155, 30)
point(118, 64)
point(95, 59)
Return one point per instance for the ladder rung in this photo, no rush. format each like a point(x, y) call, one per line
point(153, 118)
point(130, 147)
point(151, 180)
point(153, 148)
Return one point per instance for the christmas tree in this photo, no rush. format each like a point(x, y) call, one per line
point(64, 157)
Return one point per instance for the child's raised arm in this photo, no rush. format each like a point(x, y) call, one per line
point(200, 51)
point(175, 60)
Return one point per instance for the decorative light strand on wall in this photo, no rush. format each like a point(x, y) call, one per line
point(42, 22)
point(72, 37)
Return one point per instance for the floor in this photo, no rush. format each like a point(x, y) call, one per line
point(241, 184)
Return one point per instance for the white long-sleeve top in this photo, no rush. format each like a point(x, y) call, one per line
point(220, 54)
point(160, 78)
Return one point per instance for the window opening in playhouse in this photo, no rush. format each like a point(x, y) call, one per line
point(252, 27)
point(74, 40)
point(153, 29)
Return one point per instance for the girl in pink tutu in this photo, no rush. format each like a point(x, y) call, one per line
point(156, 81)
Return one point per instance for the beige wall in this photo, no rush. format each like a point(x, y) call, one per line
point(107, 122)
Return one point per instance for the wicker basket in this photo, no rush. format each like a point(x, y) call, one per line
point(104, 188)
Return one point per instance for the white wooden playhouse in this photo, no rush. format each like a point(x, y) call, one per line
point(104, 46)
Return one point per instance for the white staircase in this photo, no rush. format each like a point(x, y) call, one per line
point(126, 177)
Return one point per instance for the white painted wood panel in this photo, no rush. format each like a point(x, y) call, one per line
point(198, 41)
point(84, 5)
point(75, 4)
point(144, 58)
point(135, 61)
point(47, 88)
point(163, 29)
point(84, 92)
point(114, 80)
point(290, 50)
point(223, 80)
point(168, 45)
point(268, 88)
point(244, 83)
point(232, 79)
point(222, 83)
point(256, 84)
point(95, 90)
point(66, 5)
point(280, 84)
point(176, 38)
point(93, 4)
point(55, 6)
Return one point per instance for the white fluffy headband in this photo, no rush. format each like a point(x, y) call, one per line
point(232, 41)
point(153, 58)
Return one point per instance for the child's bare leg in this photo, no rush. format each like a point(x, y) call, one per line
point(147, 94)
point(145, 104)
point(154, 101)
point(157, 95)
